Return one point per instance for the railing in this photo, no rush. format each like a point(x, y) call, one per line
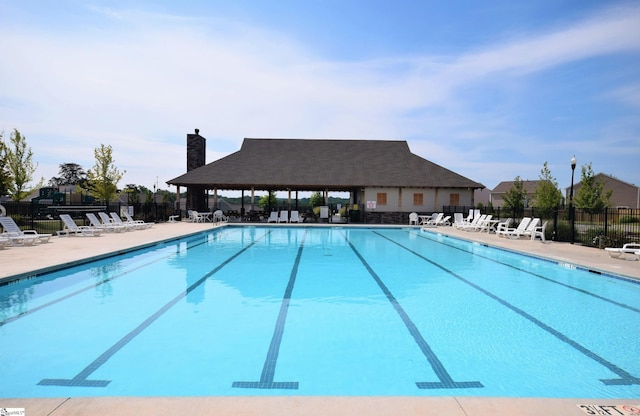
point(45, 218)
point(611, 227)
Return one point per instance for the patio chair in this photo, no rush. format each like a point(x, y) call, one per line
point(435, 219)
point(413, 218)
point(106, 219)
point(18, 236)
point(484, 225)
point(218, 216)
point(520, 228)
point(142, 224)
point(457, 219)
point(632, 249)
point(468, 223)
point(539, 232)
point(71, 228)
point(284, 216)
point(115, 219)
point(477, 222)
point(527, 231)
point(95, 222)
point(273, 217)
point(503, 225)
point(295, 217)
point(324, 213)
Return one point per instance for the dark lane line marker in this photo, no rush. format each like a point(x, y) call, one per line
point(446, 382)
point(583, 291)
point(269, 367)
point(80, 380)
point(625, 377)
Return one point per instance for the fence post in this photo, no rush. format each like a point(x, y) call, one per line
point(555, 225)
point(606, 221)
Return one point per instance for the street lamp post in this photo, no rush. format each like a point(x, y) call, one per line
point(572, 214)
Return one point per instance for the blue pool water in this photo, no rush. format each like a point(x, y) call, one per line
point(321, 311)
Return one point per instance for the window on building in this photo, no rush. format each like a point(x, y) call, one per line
point(418, 199)
point(381, 198)
point(454, 199)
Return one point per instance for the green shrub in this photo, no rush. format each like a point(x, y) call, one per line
point(627, 219)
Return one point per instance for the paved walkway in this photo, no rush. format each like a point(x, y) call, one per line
point(61, 250)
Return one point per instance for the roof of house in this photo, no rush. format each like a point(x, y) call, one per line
point(604, 178)
point(528, 187)
point(305, 164)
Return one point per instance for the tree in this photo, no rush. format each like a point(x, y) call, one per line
point(70, 174)
point(133, 193)
point(547, 195)
point(591, 195)
point(316, 199)
point(103, 178)
point(514, 197)
point(268, 200)
point(5, 175)
point(19, 158)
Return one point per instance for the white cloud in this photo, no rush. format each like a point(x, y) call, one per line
point(144, 81)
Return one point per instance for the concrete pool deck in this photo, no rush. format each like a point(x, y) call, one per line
point(25, 261)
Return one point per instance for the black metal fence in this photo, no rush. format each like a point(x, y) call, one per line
point(45, 218)
point(611, 227)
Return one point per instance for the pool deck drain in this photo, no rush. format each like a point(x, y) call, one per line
point(25, 261)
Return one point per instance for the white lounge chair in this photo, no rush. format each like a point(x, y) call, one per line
point(457, 219)
point(18, 236)
point(96, 223)
point(539, 232)
point(295, 217)
point(524, 223)
point(476, 223)
point(115, 219)
point(4, 241)
point(107, 220)
point(527, 231)
point(141, 224)
point(324, 213)
point(284, 216)
point(413, 218)
point(273, 217)
point(503, 225)
point(71, 228)
point(435, 219)
point(468, 220)
point(466, 223)
point(218, 216)
point(632, 249)
point(484, 225)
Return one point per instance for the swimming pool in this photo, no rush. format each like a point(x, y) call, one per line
point(320, 311)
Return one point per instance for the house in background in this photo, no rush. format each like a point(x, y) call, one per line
point(496, 197)
point(625, 195)
point(482, 196)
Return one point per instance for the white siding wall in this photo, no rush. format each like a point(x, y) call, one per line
point(432, 200)
point(428, 199)
point(392, 205)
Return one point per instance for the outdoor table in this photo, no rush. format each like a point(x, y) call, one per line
point(205, 216)
point(492, 225)
point(423, 219)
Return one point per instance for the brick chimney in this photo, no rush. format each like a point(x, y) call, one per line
point(196, 155)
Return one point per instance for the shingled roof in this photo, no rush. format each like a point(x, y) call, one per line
point(314, 164)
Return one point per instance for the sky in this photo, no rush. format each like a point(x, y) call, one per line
point(490, 90)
